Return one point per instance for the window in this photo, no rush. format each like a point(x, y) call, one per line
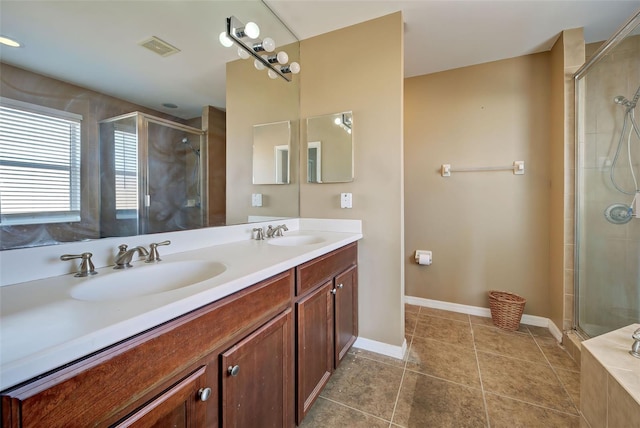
point(39, 164)
point(126, 173)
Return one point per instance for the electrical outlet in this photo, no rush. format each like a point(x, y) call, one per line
point(346, 200)
point(256, 200)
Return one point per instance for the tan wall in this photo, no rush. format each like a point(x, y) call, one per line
point(342, 72)
point(567, 55)
point(487, 230)
point(253, 98)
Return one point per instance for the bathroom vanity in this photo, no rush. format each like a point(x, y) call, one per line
point(236, 360)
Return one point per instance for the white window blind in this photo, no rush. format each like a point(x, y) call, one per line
point(126, 173)
point(39, 164)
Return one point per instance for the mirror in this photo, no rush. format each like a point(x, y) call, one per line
point(271, 147)
point(163, 64)
point(330, 148)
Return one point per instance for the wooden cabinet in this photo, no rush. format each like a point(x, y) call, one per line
point(257, 374)
point(181, 406)
point(155, 377)
point(235, 362)
point(326, 321)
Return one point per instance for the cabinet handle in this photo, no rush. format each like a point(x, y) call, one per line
point(204, 394)
point(340, 285)
point(233, 370)
point(334, 291)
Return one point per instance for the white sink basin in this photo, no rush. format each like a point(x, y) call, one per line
point(296, 240)
point(146, 279)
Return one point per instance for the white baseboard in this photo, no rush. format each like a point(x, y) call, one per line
point(382, 348)
point(483, 312)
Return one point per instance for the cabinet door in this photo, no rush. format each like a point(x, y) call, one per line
point(257, 377)
point(346, 312)
point(314, 345)
point(182, 405)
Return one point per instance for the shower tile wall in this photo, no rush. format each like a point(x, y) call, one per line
point(610, 254)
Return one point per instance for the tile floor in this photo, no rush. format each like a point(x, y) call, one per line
point(460, 371)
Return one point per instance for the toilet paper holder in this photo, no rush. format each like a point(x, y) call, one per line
point(424, 257)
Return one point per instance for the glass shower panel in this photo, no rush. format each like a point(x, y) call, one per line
point(607, 185)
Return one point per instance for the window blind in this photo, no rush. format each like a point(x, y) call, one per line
point(126, 173)
point(39, 164)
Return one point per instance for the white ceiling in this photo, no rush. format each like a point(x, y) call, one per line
point(94, 43)
point(446, 34)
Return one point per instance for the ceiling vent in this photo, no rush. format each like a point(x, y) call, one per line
point(160, 47)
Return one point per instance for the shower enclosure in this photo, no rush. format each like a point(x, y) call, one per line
point(607, 250)
point(152, 176)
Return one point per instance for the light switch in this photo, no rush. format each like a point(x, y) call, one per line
point(256, 199)
point(346, 200)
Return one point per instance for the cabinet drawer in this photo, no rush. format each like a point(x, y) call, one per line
point(320, 270)
point(135, 371)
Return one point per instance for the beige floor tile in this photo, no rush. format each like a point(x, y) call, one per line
point(451, 362)
point(510, 344)
point(410, 320)
point(445, 330)
point(539, 331)
point(571, 382)
point(365, 385)
point(361, 353)
point(523, 380)
point(444, 314)
point(328, 414)
point(411, 309)
point(558, 356)
point(425, 401)
point(507, 413)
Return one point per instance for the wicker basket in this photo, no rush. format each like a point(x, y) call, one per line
point(506, 309)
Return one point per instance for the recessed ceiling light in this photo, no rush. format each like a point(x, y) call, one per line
point(9, 42)
point(169, 105)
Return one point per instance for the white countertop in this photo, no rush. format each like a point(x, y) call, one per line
point(612, 351)
point(42, 327)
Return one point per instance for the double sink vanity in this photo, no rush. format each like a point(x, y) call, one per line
point(244, 333)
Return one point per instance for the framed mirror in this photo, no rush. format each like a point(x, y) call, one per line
point(171, 168)
point(329, 151)
point(271, 153)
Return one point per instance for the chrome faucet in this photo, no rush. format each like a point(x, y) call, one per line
point(124, 256)
point(258, 233)
point(276, 231)
point(635, 348)
point(86, 265)
point(154, 256)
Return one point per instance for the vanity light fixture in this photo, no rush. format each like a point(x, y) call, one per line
point(276, 65)
point(344, 121)
point(7, 41)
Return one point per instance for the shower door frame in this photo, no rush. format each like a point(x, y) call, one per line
point(621, 33)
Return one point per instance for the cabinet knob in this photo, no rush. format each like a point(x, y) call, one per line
point(334, 291)
point(340, 285)
point(233, 370)
point(204, 394)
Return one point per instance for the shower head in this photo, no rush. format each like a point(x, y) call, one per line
point(618, 100)
point(187, 143)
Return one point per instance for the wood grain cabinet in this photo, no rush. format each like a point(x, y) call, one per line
point(173, 375)
point(326, 320)
point(234, 363)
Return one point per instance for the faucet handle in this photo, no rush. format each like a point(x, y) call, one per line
point(259, 233)
point(270, 231)
point(279, 229)
point(154, 256)
point(86, 265)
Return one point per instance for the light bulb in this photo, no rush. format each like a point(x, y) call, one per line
point(282, 57)
point(225, 40)
point(243, 54)
point(258, 65)
point(337, 121)
point(268, 44)
point(252, 30)
point(272, 74)
point(294, 67)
